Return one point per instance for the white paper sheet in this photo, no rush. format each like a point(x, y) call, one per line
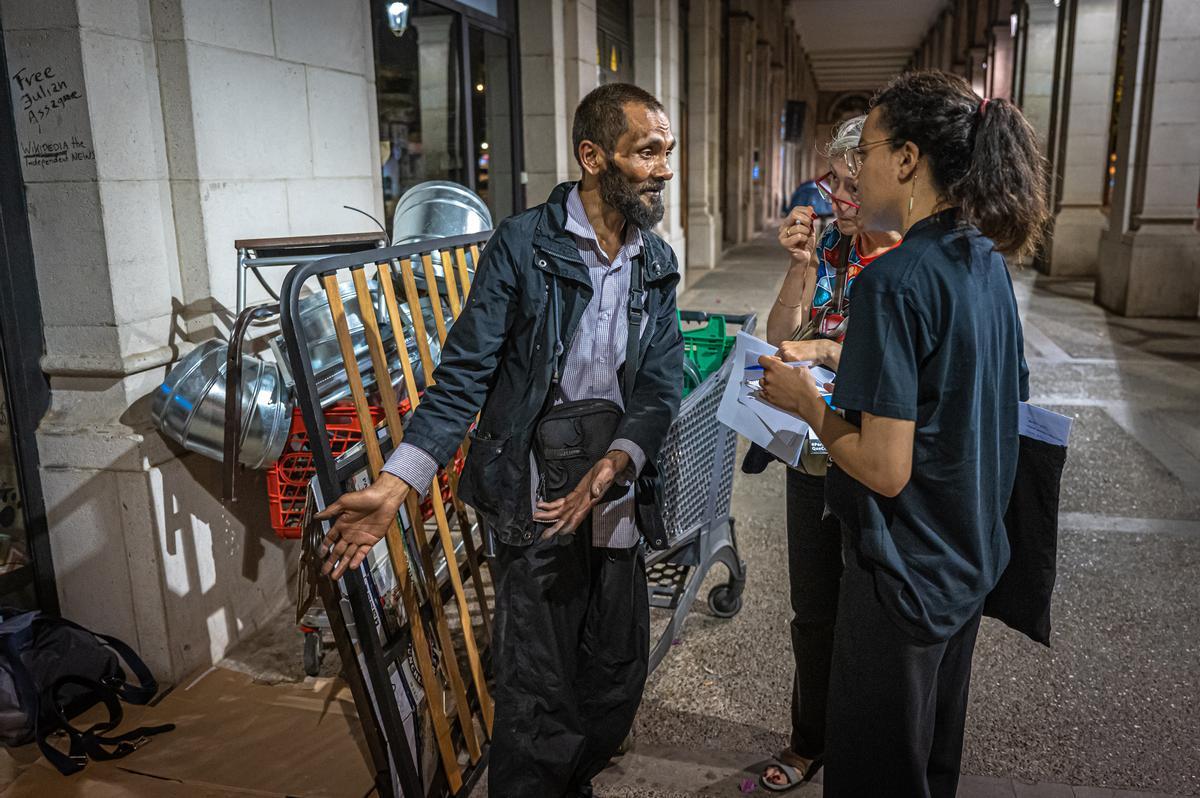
point(1044, 425)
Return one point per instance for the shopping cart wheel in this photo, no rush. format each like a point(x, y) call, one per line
point(314, 652)
point(724, 601)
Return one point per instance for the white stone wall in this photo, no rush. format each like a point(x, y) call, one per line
point(156, 133)
point(271, 127)
point(1173, 148)
point(1080, 220)
point(545, 116)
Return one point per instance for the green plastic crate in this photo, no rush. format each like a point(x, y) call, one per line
point(708, 346)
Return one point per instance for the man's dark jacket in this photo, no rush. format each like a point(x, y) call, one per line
point(499, 356)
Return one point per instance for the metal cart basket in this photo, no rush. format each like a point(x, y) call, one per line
point(696, 465)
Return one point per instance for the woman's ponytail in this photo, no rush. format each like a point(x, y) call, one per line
point(1003, 192)
point(982, 153)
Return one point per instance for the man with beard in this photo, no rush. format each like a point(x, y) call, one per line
point(547, 321)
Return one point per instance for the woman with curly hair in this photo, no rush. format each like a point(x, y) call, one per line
point(813, 306)
point(930, 379)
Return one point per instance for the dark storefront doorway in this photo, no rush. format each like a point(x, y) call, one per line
point(26, 571)
point(446, 77)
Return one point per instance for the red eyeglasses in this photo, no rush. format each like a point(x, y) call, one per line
point(827, 193)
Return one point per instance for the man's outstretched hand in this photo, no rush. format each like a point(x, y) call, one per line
point(363, 517)
point(567, 513)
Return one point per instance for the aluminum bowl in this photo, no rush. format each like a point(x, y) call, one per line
point(189, 407)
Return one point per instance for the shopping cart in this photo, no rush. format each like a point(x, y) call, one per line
point(696, 465)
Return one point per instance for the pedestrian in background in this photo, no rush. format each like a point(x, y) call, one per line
point(930, 380)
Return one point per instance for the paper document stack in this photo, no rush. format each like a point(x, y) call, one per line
point(779, 432)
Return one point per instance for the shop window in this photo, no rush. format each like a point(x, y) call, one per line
point(491, 121)
point(447, 100)
point(614, 41)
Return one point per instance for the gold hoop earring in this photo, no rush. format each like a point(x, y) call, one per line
point(911, 195)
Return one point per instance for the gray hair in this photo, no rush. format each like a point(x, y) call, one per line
point(845, 137)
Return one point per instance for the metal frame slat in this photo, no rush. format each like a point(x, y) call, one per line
point(434, 697)
point(435, 297)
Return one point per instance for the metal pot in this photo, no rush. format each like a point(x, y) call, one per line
point(326, 356)
point(189, 407)
point(438, 209)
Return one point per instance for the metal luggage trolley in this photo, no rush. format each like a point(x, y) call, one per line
point(410, 659)
point(696, 465)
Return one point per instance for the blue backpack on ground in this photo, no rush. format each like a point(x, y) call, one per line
point(51, 671)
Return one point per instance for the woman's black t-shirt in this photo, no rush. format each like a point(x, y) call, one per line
point(936, 339)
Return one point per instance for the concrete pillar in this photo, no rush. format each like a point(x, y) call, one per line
point(187, 126)
point(656, 68)
point(581, 70)
point(739, 101)
point(704, 134)
point(1041, 31)
point(1080, 217)
point(763, 91)
point(546, 122)
point(1150, 253)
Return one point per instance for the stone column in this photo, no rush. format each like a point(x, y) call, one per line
point(1080, 218)
point(739, 101)
point(704, 134)
point(581, 71)
point(1150, 253)
point(1041, 31)
point(656, 69)
point(763, 91)
point(546, 120)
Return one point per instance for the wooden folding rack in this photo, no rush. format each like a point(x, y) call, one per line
point(435, 640)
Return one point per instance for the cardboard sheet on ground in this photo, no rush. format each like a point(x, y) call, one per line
point(233, 737)
point(779, 432)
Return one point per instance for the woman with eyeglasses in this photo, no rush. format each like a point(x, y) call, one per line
point(930, 380)
point(813, 305)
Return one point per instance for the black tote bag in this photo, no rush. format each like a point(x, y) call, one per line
point(1021, 599)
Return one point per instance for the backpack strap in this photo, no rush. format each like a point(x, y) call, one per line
point(637, 308)
point(91, 742)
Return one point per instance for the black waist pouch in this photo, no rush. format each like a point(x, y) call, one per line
point(571, 438)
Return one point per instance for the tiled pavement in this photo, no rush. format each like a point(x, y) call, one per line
point(1113, 707)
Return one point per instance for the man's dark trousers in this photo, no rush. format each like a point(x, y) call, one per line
point(571, 652)
point(897, 705)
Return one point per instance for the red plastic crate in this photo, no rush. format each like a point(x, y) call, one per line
point(288, 478)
